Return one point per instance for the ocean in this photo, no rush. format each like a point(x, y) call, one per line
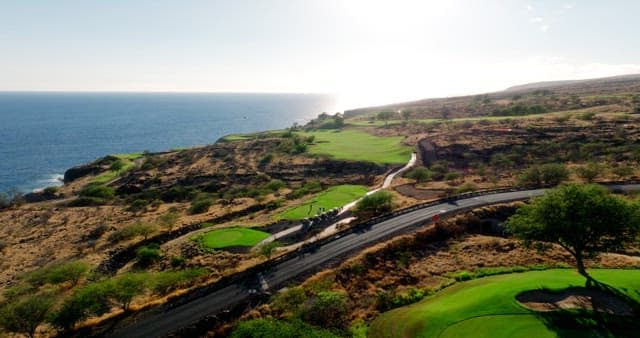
point(43, 134)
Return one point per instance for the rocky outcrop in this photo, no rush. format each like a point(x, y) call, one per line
point(92, 168)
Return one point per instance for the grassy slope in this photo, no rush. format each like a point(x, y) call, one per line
point(127, 160)
point(331, 198)
point(487, 307)
point(233, 237)
point(358, 145)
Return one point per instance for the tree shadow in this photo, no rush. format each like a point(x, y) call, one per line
point(585, 323)
point(597, 322)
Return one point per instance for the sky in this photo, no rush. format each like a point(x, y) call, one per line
point(365, 51)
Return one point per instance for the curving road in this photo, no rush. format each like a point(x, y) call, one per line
point(332, 228)
point(157, 324)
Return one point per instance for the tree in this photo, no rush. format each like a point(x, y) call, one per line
point(147, 255)
point(71, 271)
point(550, 174)
point(385, 116)
point(589, 172)
point(553, 173)
point(338, 121)
point(122, 289)
point(375, 204)
point(269, 248)
point(622, 171)
point(169, 219)
point(445, 111)
point(420, 174)
point(328, 309)
point(24, 315)
point(406, 114)
point(585, 220)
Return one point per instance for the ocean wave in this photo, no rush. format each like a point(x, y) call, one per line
point(53, 180)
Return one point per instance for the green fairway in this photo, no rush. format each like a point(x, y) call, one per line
point(487, 307)
point(229, 237)
point(358, 145)
point(331, 198)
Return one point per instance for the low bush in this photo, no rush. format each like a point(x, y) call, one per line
point(310, 187)
point(265, 328)
point(419, 174)
point(167, 281)
point(87, 202)
point(375, 204)
point(147, 255)
point(58, 273)
point(98, 191)
point(201, 204)
point(131, 231)
point(138, 205)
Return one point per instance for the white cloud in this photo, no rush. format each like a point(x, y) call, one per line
point(536, 19)
point(544, 28)
point(569, 6)
point(529, 8)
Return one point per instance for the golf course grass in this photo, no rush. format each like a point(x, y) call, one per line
point(331, 198)
point(357, 145)
point(487, 307)
point(229, 237)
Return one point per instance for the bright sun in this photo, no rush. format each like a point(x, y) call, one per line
point(379, 73)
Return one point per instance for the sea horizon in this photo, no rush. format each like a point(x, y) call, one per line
point(44, 133)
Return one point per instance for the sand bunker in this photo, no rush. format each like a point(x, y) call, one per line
point(594, 300)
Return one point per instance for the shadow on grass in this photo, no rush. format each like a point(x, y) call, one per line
point(586, 323)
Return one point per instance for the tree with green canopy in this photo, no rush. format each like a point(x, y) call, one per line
point(585, 220)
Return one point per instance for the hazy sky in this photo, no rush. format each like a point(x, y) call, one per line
point(367, 51)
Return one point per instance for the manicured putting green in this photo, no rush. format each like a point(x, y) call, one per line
point(333, 197)
point(487, 307)
point(223, 238)
point(357, 145)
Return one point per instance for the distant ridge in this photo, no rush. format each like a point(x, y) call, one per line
point(463, 106)
point(574, 83)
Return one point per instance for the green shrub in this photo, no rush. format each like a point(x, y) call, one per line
point(59, 273)
point(147, 255)
point(275, 185)
point(266, 159)
point(329, 309)
point(467, 187)
point(270, 328)
point(87, 202)
point(138, 205)
point(169, 219)
point(376, 203)
point(123, 288)
point(200, 205)
point(117, 165)
point(167, 281)
point(26, 314)
point(177, 261)
point(622, 171)
point(550, 174)
point(590, 171)
point(290, 301)
point(98, 191)
point(587, 116)
point(451, 176)
point(420, 174)
point(310, 187)
point(131, 231)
